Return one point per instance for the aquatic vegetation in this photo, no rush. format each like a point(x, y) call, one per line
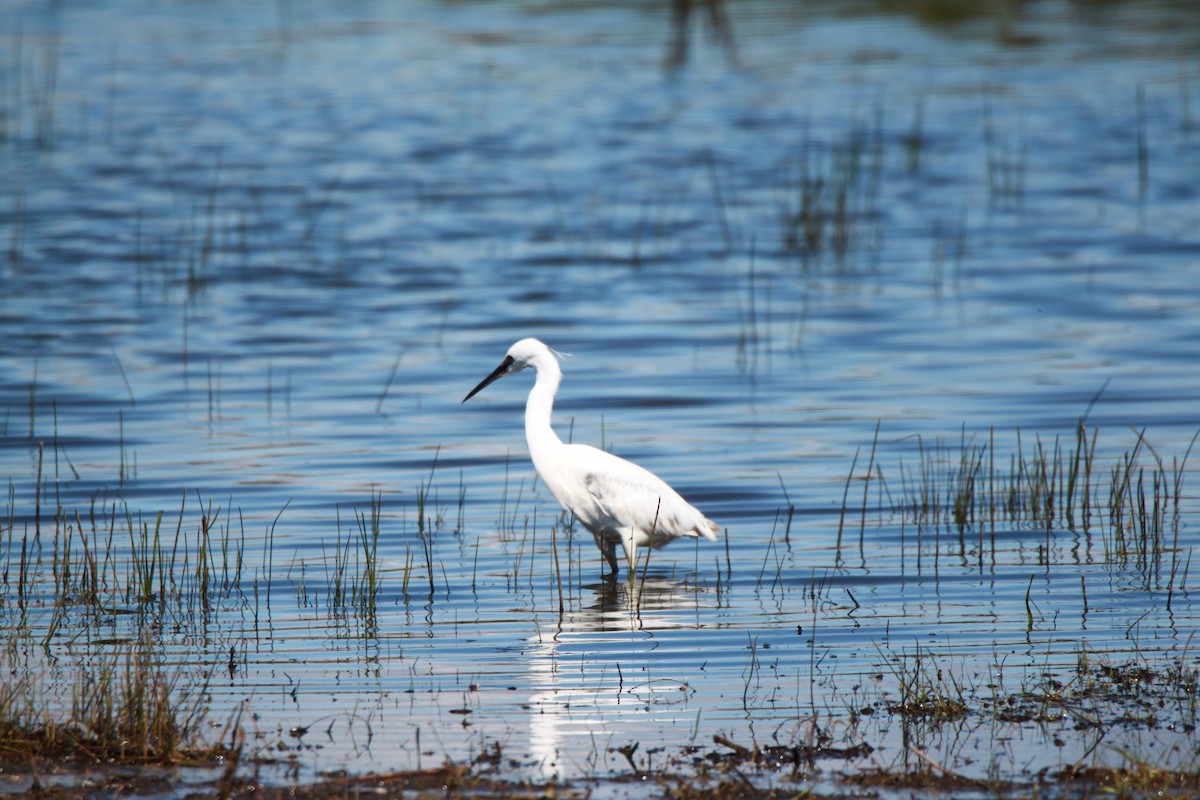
point(243, 280)
point(927, 692)
point(833, 205)
point(131, 703)
point(1135, 515)
point(112, 595)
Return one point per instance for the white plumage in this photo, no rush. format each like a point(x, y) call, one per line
point(618, 501)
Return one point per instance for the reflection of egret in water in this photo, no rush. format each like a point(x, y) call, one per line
point(602, 669)
point(716, 21)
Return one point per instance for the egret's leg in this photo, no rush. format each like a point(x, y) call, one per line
point(609, 549)
point(599, 542)
point(630, 546)
point(610, 554)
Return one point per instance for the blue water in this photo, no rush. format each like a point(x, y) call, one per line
point(254, 257)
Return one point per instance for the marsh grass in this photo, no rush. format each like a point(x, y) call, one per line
point(1101, 706)
point(29, 90)
point(831, 206)
point(129, 704)
point(1129, 503)
point(352, 575)
point(112, 556)
point(927, 692)
point(1006, 158)
point(94, 599)
point(91, 598)
point(185, 566)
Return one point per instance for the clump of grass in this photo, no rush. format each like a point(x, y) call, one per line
point(1144, 510)
point(819, 742)
point(64, 573)
point(928, 693)
point(1049, 486)
point(1141, 689)
point(1138, 777)
point(834, 202)
point(367, 594)
point(352, 580)
point(29, 86)
point(1007, 161)
point(126, 705)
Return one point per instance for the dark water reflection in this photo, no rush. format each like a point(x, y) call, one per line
point(255, 254)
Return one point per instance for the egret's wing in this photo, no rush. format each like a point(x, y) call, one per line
point(629, 496)
point(627, 503)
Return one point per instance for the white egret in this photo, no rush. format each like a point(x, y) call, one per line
point(618, 501)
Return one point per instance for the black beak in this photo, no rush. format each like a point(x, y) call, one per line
point(496, 375)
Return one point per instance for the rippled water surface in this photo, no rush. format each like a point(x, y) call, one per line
point(805, 260)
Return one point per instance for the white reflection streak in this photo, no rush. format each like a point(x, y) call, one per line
point(591, 675)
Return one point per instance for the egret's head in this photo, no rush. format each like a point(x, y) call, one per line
point(525, 354)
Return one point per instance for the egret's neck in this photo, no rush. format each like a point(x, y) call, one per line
point(539, 434)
